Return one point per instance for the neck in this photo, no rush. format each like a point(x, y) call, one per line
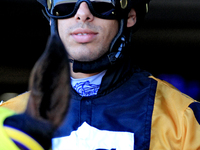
point(80, 75)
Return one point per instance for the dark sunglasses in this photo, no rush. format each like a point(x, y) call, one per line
point(106, 9)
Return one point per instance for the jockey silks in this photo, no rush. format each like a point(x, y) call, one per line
point(132, 110)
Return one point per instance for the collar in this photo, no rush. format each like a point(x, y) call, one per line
point(88, 86)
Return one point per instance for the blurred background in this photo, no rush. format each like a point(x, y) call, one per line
point(166, 45)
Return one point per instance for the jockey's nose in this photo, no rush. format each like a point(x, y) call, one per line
point(83, 13)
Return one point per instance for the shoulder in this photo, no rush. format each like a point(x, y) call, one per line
point(171, 100)
point(175, 118)
point(17, 104)
point(169, 95)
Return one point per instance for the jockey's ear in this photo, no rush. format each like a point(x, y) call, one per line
point(50, 84)
point(132, 18)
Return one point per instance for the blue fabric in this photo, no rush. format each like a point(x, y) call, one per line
point(127, 107)
point(196, 109)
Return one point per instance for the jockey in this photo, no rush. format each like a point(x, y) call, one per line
point(115, 105)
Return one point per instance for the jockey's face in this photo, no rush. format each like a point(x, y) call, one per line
point(85, 36)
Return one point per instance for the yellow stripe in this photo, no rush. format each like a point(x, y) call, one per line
point(22, 138)
point(5, 142)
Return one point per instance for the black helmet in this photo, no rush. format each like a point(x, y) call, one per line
point(111, 9)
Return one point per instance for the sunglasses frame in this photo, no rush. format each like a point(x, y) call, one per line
point(120, 7)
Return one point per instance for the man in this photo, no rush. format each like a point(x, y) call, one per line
point(114, 105)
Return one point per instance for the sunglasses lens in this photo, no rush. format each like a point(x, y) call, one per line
point(100, 8)
point(63, 9)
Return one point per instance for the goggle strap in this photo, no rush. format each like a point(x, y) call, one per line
point(45, 15)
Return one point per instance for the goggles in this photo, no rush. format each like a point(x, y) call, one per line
point(106, 9)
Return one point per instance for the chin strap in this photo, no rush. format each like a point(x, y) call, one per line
point(107, 60)
point(100, 64)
